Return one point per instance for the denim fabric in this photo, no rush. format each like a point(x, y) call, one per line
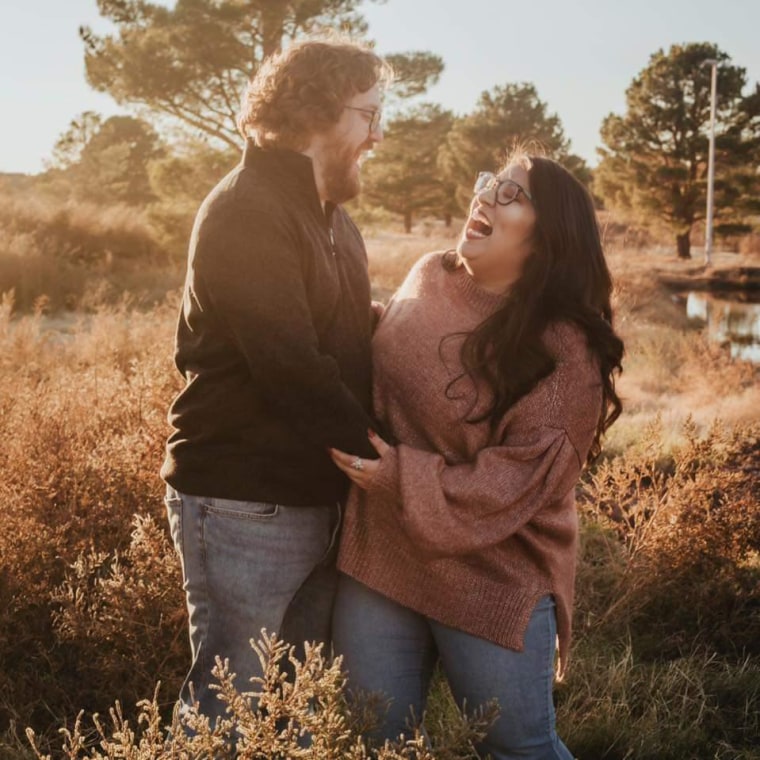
point(391, 649)
point(248, 566)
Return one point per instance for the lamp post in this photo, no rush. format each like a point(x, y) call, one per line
point(711, 161)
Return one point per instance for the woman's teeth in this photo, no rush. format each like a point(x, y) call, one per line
point(478, 229)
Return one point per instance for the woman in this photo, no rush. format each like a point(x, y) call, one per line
point(494, 369)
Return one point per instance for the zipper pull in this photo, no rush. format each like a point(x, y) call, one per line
point(332, 241)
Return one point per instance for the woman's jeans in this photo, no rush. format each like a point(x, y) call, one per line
point(391, 649)
point(248, 566)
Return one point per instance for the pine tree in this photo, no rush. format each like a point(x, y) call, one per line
point(402, 176)
point(191, 62)
point(654, 160)
point(504, 117)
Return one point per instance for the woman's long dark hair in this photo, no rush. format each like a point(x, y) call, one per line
point(564, 279)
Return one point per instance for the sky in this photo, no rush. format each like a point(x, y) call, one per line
point(580, 54)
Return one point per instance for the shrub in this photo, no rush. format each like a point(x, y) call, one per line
point(305, 715)
point(68, 251)
point(83, 424)
point(672, 552)
point(665, 659)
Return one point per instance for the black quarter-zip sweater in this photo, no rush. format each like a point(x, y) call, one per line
point(273, 340)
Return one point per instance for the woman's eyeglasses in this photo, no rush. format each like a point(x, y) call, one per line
point(507, 190)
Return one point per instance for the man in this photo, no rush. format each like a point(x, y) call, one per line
point(274, 343)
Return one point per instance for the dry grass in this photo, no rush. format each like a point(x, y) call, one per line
point(666, 658)
point(391, 255)
point(77, 256)
point(671, 370)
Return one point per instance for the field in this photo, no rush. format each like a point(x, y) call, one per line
point(666, 658)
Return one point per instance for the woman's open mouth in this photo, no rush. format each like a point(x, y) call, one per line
point(478, 227)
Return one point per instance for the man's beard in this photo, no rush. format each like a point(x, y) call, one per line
point(339, 174)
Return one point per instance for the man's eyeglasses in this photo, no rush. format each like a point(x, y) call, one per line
point(375, 116)
point(507, 190)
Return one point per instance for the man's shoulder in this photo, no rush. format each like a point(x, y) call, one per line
point(240, 204)
point(244, 187)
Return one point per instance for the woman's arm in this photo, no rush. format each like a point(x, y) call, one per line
point(451, 509)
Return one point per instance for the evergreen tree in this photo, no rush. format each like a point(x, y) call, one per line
point(402, 176)
point(191, 62)
point(69, 146)
point(105, 161)
point(654, 160)
point(504, 117)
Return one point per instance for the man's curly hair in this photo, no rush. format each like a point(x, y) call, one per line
point(302, 90)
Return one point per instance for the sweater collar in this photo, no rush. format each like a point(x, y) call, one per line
point(482, 300)
point(289, 170)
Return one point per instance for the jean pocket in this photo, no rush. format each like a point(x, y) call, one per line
point(174, 513)
point(241, 510)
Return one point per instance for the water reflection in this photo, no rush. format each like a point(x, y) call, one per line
point(728, 320)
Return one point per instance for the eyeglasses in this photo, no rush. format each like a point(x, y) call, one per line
point(507, 190)
point(375, 116)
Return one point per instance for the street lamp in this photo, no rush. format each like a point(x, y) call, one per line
point(713, 63)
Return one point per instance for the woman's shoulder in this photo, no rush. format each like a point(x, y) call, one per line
point(569, 344)
point(427, 269)
point(429, 263)
point(564, 333)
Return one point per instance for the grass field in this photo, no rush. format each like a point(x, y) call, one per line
point(666, 659)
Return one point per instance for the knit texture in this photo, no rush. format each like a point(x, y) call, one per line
point(467, 525)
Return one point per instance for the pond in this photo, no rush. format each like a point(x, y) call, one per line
point(729, 317)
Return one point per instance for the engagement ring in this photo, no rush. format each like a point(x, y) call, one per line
point(357, 464)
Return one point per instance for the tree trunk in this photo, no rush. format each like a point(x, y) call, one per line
point(407, 221)
point(684, 245)
point(272, 29)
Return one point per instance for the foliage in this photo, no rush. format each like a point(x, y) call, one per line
point(69, 146)
point(506, 116)
point(402, 176)
point(191, 62)
point(303, 715)
point(617, 705)
point(654, 159)
point(107, 161)
point(83, 423)
point(113, 165)
point(76, 254)
point(668, 613)
point(413, 73)
point(665, 661)
point(680, 536)
point(180, 181)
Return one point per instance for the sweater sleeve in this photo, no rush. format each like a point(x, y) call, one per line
point(455, 509)
point(255, 284)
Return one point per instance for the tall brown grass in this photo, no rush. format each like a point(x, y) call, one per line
point(78, 255)
point(666, 660)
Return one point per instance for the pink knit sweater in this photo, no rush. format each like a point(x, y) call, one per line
point(466, 526)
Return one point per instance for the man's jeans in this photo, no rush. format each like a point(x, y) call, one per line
point(391, 649)
point(248, 566)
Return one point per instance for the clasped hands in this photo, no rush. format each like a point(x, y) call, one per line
point(361, 471)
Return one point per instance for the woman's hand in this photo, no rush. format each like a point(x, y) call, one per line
point(361, 471)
